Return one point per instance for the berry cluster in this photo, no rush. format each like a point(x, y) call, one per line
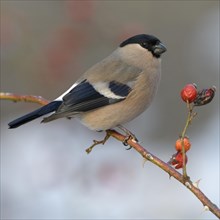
point(202, 97)
point(192, 97)
point(177, 159)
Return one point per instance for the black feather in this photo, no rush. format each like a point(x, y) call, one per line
point(84, 97)
point(144, 40)
point(119, 89)
point(83, 92)
point(52, 106)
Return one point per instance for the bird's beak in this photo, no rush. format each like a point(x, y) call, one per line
point(159, 49)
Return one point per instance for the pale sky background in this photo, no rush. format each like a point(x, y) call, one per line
point(45, 172)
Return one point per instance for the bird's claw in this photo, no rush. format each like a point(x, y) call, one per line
point(125, 141)
point(127, 138)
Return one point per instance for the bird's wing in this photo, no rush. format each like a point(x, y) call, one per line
point(85, 97)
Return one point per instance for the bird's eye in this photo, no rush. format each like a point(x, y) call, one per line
point(144, 44)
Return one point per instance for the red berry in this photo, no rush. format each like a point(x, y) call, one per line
point(177, 160)
point(186, 144)
point(189, 93)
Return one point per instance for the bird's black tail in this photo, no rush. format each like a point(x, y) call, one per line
point(52, 106)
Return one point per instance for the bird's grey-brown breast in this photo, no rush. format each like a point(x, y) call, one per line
point(134, 104)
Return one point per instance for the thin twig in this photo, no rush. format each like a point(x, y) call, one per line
point(189, 119)
point(95, 143)
point(25, 98)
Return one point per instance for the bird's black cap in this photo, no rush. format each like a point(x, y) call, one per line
point(149, 42)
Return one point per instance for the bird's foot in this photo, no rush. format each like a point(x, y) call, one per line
point(129, 136)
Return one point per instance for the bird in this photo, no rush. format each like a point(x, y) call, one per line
point(112, 92)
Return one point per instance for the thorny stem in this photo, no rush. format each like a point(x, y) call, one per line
point(171, 171)
point(146, 154)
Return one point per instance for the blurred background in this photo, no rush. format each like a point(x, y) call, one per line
point(45, 173)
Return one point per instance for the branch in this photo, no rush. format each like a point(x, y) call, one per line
point(25, 98)
point(193, 187)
